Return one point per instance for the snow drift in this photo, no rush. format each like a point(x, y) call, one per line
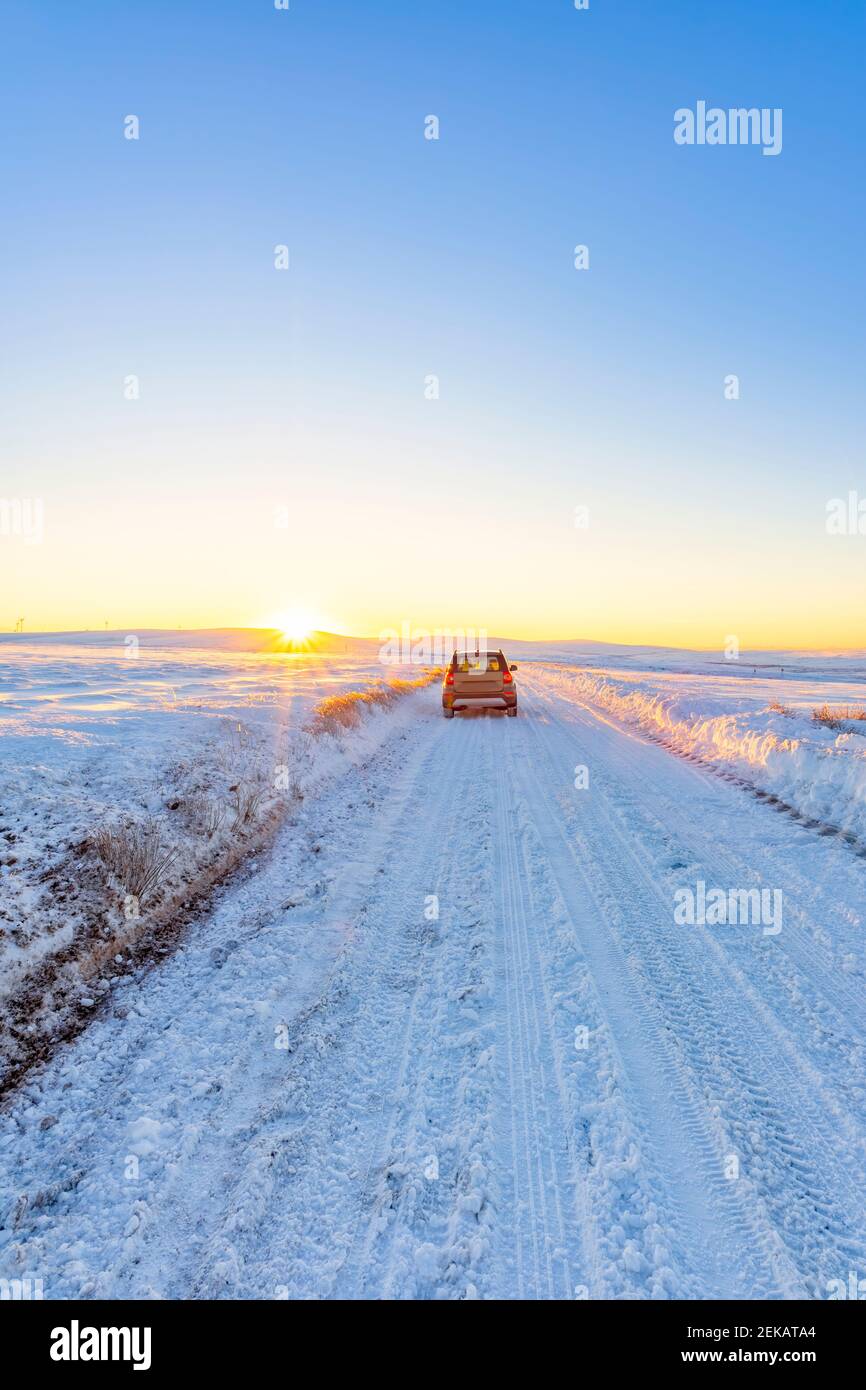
point(779, 749)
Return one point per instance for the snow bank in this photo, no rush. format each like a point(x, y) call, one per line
point(819, 771)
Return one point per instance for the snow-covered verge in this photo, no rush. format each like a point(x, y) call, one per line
point(765, 733)
point(176, 768)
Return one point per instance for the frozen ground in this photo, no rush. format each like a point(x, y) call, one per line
point(447, 1039)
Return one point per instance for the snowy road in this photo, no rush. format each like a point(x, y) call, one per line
point(547, 1090)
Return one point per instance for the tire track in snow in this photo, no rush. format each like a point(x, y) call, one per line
point(543, 1182)
point(321, 1207)
point(812, 948)
point(685, 1158)
point(423, 1228)
point(793, 977)
point(393, 1061)
point(804, 1182)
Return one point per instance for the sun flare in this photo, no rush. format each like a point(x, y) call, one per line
point(296, 626)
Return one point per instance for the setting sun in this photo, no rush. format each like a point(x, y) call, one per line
point(296, 625)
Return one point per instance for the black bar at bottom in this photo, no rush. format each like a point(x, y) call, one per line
point(226, 1337)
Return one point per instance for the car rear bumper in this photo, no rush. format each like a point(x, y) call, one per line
point(479, 701)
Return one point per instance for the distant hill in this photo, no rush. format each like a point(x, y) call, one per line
point(233, 639)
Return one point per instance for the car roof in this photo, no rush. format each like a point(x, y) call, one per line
point(469, 656)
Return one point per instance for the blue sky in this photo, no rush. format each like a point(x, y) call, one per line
point(453, 257)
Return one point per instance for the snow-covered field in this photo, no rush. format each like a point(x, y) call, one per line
point(208, 746)
point(441, 1035)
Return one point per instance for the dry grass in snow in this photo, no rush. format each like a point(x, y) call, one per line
point(835, 718)
point(346, 710)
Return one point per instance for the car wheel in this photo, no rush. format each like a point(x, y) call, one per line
point(512, 713)
point(449, 713)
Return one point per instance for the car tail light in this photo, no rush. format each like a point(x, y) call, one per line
point(449, 677)
point(507, 678)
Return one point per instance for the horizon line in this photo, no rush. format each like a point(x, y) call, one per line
point(359, 637)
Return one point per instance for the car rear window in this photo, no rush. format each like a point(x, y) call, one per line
point(478, 661)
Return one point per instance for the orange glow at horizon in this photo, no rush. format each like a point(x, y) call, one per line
point(361, 569)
